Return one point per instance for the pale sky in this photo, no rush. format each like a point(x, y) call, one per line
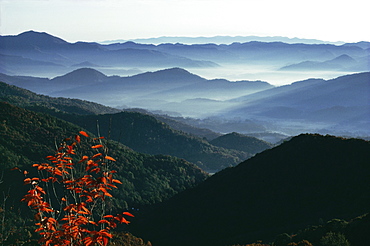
point(99, 20)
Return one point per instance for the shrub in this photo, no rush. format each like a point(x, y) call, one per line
point(70, 195)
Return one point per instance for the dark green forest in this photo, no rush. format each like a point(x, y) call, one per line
point(303, 181)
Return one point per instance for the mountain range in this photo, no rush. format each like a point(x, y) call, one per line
point(141, 96)
point(169, 90)
point(337, 106)
point(41, 54)
point(218, 40)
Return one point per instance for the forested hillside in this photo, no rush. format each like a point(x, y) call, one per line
point(27, 137)
point(241, 142)
point(308, 179)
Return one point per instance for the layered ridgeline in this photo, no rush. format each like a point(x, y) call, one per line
point(337, 106)
point(140, 132)
point(174, 90)
point(28, 137)
point(309, 179)
point(40, 53)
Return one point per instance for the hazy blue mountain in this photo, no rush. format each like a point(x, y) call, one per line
point(342, 62)
point(31, 40)
point(35, 84)
point(47, 48)
point(218, 40)
point(128, 55)
point(339, 105)
point(79, 77)
point(362, 44)
point(174, 89)
point(12, 64)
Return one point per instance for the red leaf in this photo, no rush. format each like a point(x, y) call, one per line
point(129, 214)
point(97, 146)
point(103, 221)
point(84, 134)
point(107, 194)
point(78, 138)
point(116, 181)
point(96, 155)
point(105, 241)
point(110, 158)
point(27, 181)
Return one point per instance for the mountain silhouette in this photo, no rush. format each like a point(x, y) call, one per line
point(80, 77)
point(45, 47)
point(308, 178)
point(341, 62)
point(32, 40)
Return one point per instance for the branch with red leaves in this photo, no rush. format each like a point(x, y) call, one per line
point(77, 215)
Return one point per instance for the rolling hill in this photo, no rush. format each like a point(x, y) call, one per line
point(283, 189)
point(28, 137)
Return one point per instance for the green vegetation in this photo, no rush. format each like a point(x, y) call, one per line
point(146, 134)
point(27, 137)
point(335, 232)
point(241, 142)
point(283, 189)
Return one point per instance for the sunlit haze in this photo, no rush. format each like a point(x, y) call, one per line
point(98, 20)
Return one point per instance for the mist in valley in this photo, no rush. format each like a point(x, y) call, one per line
point(252, 87)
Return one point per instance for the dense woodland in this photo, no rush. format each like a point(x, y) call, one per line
point(310, 190)
point(307, 180)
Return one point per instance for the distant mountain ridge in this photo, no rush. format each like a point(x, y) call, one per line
point(338, 106)
point(219, 40)
point(44, 47)
point(167, 89)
